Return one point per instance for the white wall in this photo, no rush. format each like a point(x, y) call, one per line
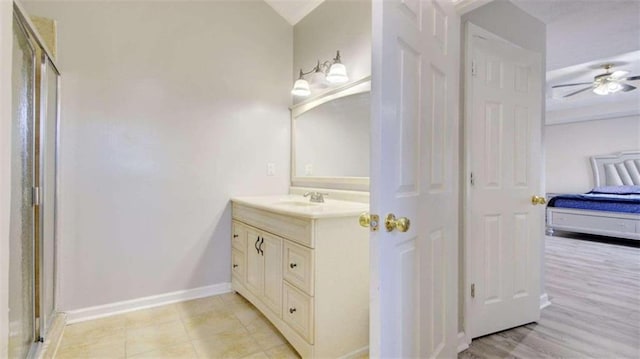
point(570, 145)
point(6, 38)
point(168, 109)
point(335, 25)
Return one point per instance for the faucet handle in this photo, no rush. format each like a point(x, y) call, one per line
point(307, 194)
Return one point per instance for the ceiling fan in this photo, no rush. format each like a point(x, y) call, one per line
point(606, 83)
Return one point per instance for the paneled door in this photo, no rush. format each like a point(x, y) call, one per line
point(505, 228)
point(414, 174)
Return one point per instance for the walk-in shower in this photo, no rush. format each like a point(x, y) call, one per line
point(34, 132)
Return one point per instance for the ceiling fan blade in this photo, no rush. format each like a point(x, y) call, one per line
point(619, 74)
point(632, 78)
point(576, 84)
point(627, 87)
point(577, 92)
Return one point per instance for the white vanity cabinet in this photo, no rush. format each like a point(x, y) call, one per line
point(307, 271)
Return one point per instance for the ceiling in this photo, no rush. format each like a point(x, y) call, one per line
point(582, 36)
point(293, 10)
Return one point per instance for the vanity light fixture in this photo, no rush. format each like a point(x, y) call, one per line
point(332, 71)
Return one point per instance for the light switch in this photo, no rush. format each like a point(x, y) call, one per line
point(271, 169)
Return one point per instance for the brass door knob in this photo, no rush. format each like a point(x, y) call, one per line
point(402, 224)
point(538, 200)
point(365, 219)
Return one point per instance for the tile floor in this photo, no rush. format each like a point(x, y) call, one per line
point(224, 326)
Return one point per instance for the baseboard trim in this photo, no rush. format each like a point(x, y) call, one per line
point(106, 310)
point(544, 301)
point(359, 353)
point(463, 344)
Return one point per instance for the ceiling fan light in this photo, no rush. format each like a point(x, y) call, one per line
point(619, 74)
point(601, 89)
point(614, 87)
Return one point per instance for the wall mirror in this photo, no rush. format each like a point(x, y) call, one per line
point(330, 138)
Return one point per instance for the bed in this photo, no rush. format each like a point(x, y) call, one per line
point(611, 209)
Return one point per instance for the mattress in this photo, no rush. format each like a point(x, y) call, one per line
point(623, 199)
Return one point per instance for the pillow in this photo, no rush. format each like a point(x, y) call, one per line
point(616, 190)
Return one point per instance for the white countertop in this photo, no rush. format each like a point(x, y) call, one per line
point(298, 206)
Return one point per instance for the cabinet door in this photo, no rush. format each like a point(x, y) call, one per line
point(272, 252)
point(255, 263)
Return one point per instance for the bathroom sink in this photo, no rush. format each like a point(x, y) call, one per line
point(297, 203)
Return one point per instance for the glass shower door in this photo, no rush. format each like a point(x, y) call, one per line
point(22, 235)
point(48, 151)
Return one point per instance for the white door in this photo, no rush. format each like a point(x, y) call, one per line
point(504, 159)
point(414, 174)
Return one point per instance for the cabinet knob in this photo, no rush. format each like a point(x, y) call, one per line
point(235, 236)
point(292, 265)
point(292, 310)
point(235, 266)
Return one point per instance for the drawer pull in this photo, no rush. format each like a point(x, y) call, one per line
point(235, 236)
point(235, 266)
point(292, 265)
point(292, 310)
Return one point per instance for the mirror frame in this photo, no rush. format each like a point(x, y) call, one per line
point(341, 183)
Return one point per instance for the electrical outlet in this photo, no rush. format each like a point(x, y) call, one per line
point(308, 169)
point(271, 169)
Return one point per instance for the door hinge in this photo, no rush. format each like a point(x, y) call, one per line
point(473, 290)
point(472, 180)
point(35, 195)
point(473, 68)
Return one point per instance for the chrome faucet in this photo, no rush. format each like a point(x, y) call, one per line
point(316, 197)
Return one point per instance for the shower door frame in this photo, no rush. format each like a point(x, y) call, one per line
point(42, 59)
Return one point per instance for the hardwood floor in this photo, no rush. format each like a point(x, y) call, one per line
point(594, 289)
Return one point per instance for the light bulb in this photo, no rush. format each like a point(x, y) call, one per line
point(337, 74)
point(601, 89)
point(301, 88)
point(614, 87)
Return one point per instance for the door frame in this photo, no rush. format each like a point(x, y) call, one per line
point(469, 29)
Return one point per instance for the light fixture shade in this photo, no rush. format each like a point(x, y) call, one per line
point(614, 86)
point(318, 79)
point(301, 88)
point(601, 89)
point(337, 74)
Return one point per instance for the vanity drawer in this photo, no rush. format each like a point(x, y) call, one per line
point(298, 266)
point(238, 265)
point(297, 311)
point(296, 229)
point(238, 236)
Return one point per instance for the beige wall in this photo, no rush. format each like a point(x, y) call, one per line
point(335, 25)
point(168, 110)
point(6, 45)
point(569, 146)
